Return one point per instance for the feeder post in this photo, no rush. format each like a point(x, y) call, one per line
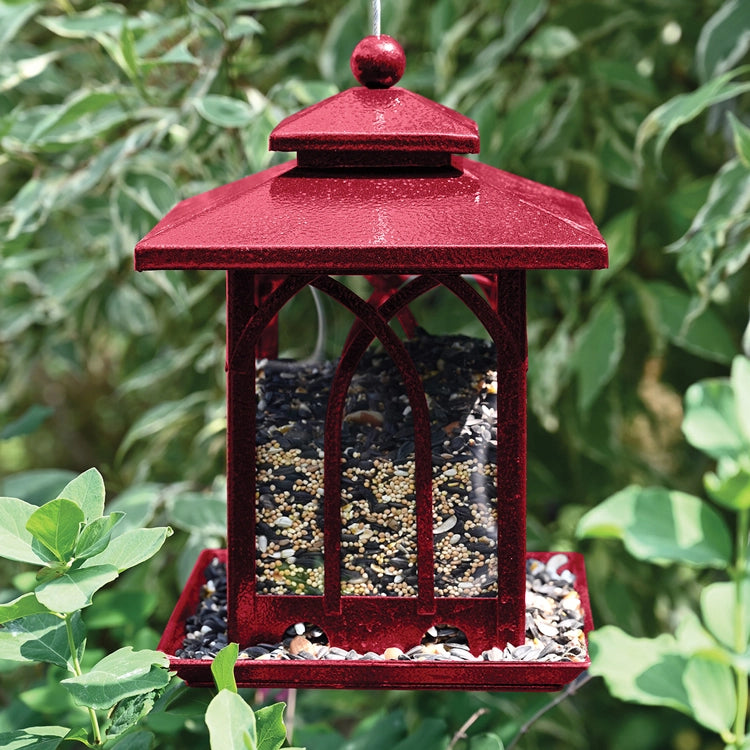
point(242, 296)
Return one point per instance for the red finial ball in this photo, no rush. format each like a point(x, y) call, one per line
point(378, 62)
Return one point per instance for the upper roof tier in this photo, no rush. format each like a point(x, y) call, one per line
point(376, 188)
point(394, 126)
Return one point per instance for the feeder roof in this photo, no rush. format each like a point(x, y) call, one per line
point(376, 187)
point(363, 119)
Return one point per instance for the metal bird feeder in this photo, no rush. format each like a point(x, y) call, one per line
point(372, 554)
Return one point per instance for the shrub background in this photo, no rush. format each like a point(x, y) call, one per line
point(111, 113)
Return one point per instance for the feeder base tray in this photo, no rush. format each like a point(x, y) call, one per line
point(370, 674)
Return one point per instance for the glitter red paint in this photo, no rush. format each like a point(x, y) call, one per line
point(377, 189)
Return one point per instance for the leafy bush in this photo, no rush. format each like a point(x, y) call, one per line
point(80, 550)
point(703, 669)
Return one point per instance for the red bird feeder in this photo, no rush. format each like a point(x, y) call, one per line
point(376, 503)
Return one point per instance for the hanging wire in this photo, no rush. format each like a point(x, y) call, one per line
point(376, 17)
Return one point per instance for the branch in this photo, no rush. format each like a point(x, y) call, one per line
point(461, 733)
point(579, 682)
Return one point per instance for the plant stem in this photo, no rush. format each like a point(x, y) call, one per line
point(740, 641)
point(571, 689)
point(78, 671)
point(291, 710)
point(461, 733)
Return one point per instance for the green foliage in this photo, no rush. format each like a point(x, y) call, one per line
point(231, 722)
point(117, 676)
point(112, 112)
point(702, 670)
point(70, 539)
point(661, 526)
point(222, 668)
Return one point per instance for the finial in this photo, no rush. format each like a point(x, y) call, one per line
point(378, 62)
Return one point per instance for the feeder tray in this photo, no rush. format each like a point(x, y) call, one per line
point(376, 191)
point(372, 675)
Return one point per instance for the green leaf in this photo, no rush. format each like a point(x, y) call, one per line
point(239, 6)
point(13, 17)
point(641, 670)
point(661, 526)
point(181, 53)
point(651, 671)
point(119, 675)
point(619, 234)
point(741, 137)
point(155, 193)
point(129, 309)
point(39, 638)
point(231, 723)
point(524, 123)
point(704, 334)
point(711, 693)
point(87, 491)
point(129, 711)
point(24, 605)
point(96, 535)
point(202, 512)
point(431, 733)
point(616, 159)
point(241, 26)
point(27, 423)
point(15, 540)
point(33, 738)
point(138, 503)
point(53, 568)
point(225, 111)
point(599, 348)
point(55, 126)
point(551, 43)
point(694, 639)
point(740, 380)
point(378, 731)
point(127, 49)
point(222, 668)
point(549, 373)
point(56, 525)
point(664, 120)
point(712, 250)
point(718, 611)
point(730, 485)
point(520, 18)
point(486, 742)
point(724, 39)
point(74, 590)
point(270, 729)
point(159, 418)
point(52, 646)
point(129, 549)
point(711, 419)
point(103, 17)
point(36, 486)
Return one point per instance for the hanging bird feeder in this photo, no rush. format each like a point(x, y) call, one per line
point(376, 501)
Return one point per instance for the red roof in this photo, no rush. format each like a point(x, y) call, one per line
point(378, 191)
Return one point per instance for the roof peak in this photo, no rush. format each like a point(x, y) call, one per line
point(376, 124)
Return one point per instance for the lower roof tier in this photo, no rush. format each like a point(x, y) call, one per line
point(467, 217)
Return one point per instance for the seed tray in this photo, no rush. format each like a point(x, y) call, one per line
point(372, 674)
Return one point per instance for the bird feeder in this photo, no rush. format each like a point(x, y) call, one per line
point(379, 496)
